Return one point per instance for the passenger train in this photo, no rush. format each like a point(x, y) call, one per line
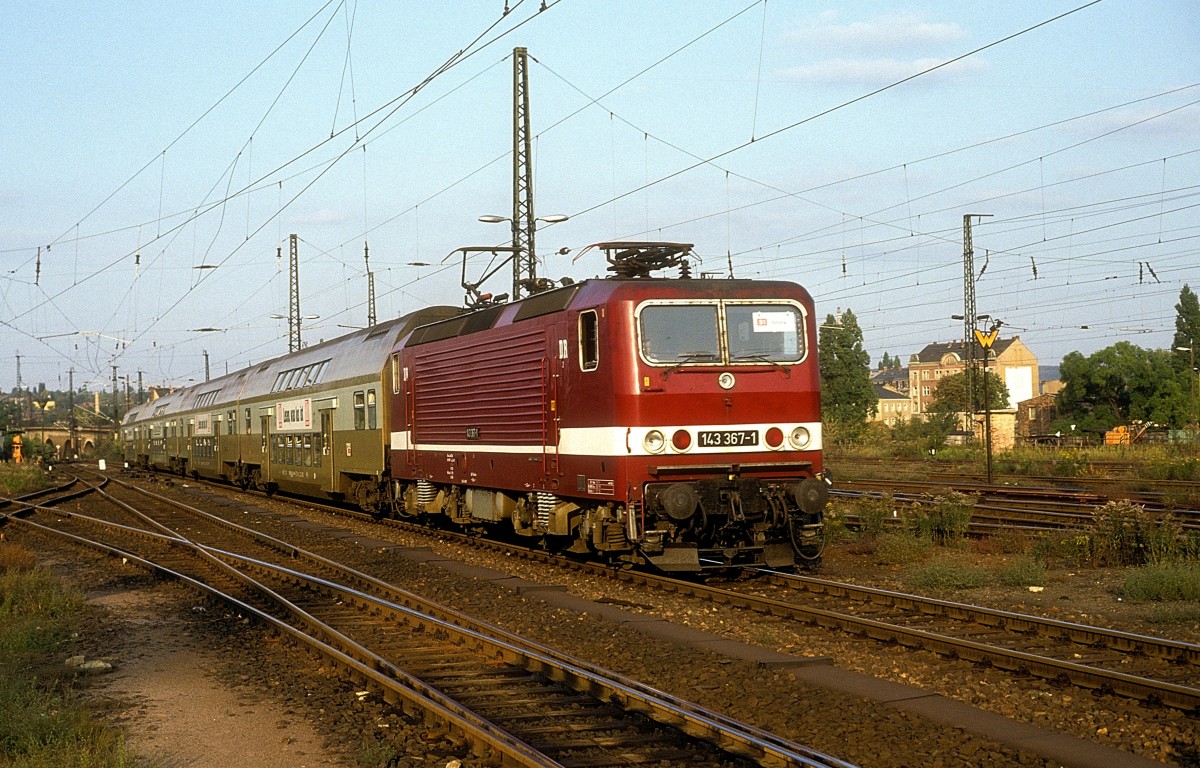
point(673, 422)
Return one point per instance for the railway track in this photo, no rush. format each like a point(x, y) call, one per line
point(1149, 669)
point(511, 700)
point(1158, 671)
point(1004, 506)
point(1155, 670)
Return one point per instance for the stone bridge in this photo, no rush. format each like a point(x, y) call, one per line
point(82, 445)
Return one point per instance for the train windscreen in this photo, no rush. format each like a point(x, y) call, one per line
point(766, 332)
point(676, 333)
point(680, 334)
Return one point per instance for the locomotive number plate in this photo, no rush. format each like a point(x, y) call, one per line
point(728, 438)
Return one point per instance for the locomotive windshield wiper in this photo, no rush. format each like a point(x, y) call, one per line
point(690, 357)
point(764, 358)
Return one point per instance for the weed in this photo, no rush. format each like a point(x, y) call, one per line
point(14, 557)
point(378, 753)
point(946, 519)
point(1162, 582)
point(1125, 534)
point(1022, 572)
point(1175, 613)
point(901, 548)
point(41, 725)
point(943, 575)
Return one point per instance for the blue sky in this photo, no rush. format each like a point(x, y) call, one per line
point(145, 142)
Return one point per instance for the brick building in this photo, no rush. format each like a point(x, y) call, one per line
point(1034, 417)
point(1009, 359)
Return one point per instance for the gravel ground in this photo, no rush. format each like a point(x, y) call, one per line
point(851, 728)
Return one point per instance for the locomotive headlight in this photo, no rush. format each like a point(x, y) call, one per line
point(800, 438)
point(654, 441)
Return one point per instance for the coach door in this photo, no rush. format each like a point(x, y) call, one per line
point(265, 446)
point(325, 453)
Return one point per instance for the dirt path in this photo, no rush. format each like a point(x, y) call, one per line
point(180, 714)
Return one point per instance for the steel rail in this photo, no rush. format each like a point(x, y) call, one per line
point(1186, 698)
point(1175, 651)
point(484, 737)
point(728, 735)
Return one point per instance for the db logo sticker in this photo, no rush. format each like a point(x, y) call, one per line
point(347, 449)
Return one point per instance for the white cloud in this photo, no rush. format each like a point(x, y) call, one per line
point(874, 71)
point(1146, 122)
point(323, 216)
point(891, 32)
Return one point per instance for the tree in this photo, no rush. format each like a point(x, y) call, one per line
point(847, 397)
point(889, 363)
point(10, 413)
point(1187, 328)
point(1184, 351)
point(952, 396)
point(1118, 385)
point(919, 437)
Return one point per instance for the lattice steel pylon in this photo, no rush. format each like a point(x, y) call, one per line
point(524, 256)
point(293, 295)
point(970, 319)
point(370, 288)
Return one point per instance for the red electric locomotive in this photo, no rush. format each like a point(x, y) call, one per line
point(643, 419)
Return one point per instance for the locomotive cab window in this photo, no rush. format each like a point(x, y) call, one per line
point(589, 340)
point(764, 333)
point(742, 332)
point(680, 333)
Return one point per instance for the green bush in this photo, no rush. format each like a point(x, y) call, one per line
point(945, 520)
point(1076, 547)
point(874, 512)
point(19, 479)
point(1125, 533)
point(1161, 582)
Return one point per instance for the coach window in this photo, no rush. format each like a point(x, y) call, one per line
point(231, 423)
point(589, 340)
point(360, 407)
point(372, 422)
point(247, 421)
